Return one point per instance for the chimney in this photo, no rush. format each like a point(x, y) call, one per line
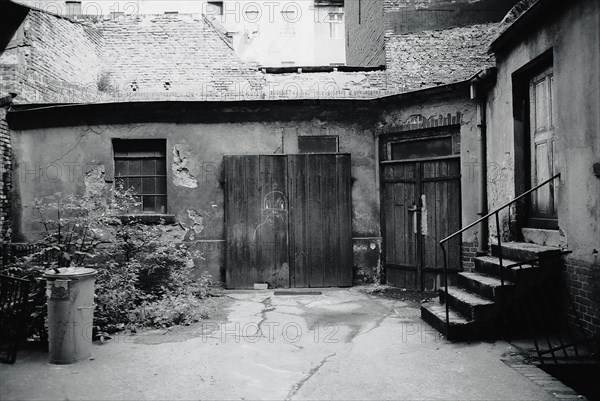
point(73, 7)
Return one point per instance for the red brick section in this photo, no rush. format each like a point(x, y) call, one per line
point(426, 59)
point(583, 284)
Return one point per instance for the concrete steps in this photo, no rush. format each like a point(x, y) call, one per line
point(523, 251)
point(470, 305)
point(488, 286)
point(474, 302)
point(434, 313)
point(490, 265)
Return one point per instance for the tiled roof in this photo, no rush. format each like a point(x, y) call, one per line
point(430, 58)
point(184, 57)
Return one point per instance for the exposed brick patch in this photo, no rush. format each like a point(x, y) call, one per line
point(419, 121)
point(426, 59)
point(583, 283)
point(468, 254)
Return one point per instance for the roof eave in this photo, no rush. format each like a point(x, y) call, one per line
point(534, 17)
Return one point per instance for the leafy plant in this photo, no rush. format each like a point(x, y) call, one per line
point(68, 236)
point(142, 279)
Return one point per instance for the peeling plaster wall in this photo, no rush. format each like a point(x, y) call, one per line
point(79, 160)
point(573, 37)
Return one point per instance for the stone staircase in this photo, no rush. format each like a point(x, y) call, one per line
point(476, 298)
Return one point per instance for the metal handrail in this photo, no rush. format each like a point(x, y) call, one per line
point(495, 213)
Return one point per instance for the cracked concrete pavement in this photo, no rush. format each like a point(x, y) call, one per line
point(343, 344)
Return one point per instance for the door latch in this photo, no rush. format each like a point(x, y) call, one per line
point(414, 209)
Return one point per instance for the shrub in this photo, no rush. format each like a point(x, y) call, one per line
point(184, 308)
point(142, 280)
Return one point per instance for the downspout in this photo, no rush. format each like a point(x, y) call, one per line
point(482, 246)
point(479, 87)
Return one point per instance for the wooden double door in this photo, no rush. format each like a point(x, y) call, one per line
point(288, 220)
point(420, 205)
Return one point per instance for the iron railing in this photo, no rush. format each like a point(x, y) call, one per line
point(495, 213)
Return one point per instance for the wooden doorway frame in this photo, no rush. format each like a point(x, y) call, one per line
point(384, 148)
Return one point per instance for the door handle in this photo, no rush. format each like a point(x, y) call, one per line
point(414, 209)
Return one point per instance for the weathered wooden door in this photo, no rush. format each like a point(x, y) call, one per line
point(288, 220)
point(543, 201)
point(320, 220)
point(420, 206)
point(256, 221)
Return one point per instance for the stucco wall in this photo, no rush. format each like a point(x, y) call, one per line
point(573, 38)
point(72, 159)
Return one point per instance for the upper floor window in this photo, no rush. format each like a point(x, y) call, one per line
point(141, 165)
point(336, 29)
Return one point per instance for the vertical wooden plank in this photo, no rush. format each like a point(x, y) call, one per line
point(281, 274)
point(344, 194)
point(265, 232)
point(441, 210)
point(252, 204)
point(454, 214)
point(239, 265)
point(234, 228)
point(315, 174)
point(330, 232)
point(429, 190)
point(228, 219)
point(294, 253)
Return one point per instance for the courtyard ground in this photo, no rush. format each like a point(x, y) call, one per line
point(341, 344)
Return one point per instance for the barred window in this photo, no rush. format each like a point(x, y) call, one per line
point(141, 165)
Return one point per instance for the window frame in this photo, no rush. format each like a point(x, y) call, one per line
point(131, 150)
point(336, 137)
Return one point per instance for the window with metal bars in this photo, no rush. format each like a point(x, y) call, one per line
point(142, 166)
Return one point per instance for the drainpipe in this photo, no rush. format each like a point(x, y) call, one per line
point(479, 86)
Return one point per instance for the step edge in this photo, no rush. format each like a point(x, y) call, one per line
point(442, 314)
point(486, 302)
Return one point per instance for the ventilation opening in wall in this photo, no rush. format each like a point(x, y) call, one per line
point(318, 144)
point(141, 167)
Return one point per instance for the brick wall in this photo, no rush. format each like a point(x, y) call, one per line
point(418, 60)
point(54, 60)
point(583, 283)
point(172, 53)
point(468, 254)
point(326, 85)
point(364, 39)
